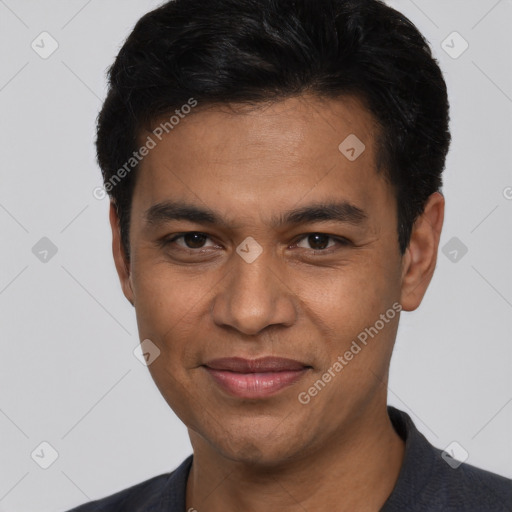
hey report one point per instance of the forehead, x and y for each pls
(299, 125)
(265, 156)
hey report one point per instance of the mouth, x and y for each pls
(255, 378)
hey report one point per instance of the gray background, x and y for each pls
(68, 375)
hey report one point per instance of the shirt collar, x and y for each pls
(411, 479)
(417, 466)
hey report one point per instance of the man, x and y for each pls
(274, 168)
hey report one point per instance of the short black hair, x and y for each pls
(253, 51)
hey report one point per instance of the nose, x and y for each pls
(254, 296)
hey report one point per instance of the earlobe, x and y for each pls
(420, 259)
(121, 262)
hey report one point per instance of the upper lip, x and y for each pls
(261, 365)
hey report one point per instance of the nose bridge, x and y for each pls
(253, 297)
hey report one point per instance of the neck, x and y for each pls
(355, 470)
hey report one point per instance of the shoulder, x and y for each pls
(141, 495)
(164, 492)
(432, 481)
(467, 487)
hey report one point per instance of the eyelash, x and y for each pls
(343, 242)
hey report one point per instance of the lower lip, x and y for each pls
(255, 385)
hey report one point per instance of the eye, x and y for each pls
(191, 240)
(320, 241)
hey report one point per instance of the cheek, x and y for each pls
(345, 300)
(166, 298)
(167, 305)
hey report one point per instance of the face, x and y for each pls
(260, 252)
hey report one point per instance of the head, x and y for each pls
(280, 195)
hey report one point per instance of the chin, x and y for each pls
(258, 443)
(257, 453)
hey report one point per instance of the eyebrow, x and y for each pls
(337, 211)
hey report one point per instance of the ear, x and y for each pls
(120, 259)
(419, 260)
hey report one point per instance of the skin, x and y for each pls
(339, 451)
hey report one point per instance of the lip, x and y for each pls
(255, 378)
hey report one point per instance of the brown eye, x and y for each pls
(191, 240)
(194, 240)
(317, 241)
